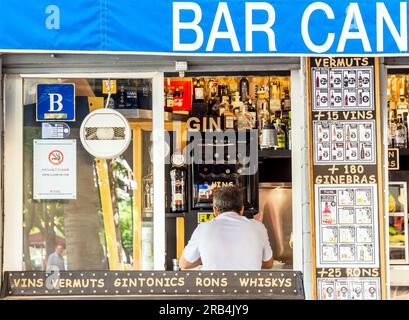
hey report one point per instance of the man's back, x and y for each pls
(230, 242)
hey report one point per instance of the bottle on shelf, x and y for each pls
(401, 135)
(121, 94)
(252, 112)
(244, 118)
(287, 99)
(280, 134)
(224, 105)
(169, 97)
(244, 88)
(147, 200)
(223, 90)
(289, 138)
(228, 118)
(233, 86)
(178, 182)
(275, 102)
(131, 95)
(262, 109)
(391, 130)
(402, 107)
(267, 131)
(198, 91)
(236, 103)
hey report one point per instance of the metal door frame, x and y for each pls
(13, 161)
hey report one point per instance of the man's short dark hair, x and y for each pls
(228, 199)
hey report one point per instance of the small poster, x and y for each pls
(348, 289)
(340, 89)
(344, 142)
(327, 290)
(54, 169)
(346, 225)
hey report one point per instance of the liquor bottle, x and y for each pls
(147, 204)
(178, 182)
(228, 118)
(267, 131)
(289, 138)
(223, 105)
(287, 99)
(402, 107)
(223, 90)
(251, 110)
(280, 135)
(213, 107)
(236, 103)
(244, 119)
(401, 137)
(131, 95)
(244, 89)
(275, 102)
(232, 85)
(121, 94)
(144, 89)
(346, 80)
(198, 91)
(266, 86)
(169, 100)
(169, 97)
(262, 108)
(391, 130)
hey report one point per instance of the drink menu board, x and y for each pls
(345, 182)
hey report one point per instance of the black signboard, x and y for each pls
(225, 284)
(345, 179)
(393, 159)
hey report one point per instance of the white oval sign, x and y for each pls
(105, 133)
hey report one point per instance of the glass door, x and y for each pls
(91, 213)
(398, 223)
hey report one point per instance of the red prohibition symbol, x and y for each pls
(56, 157)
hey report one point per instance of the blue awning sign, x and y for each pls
(207, 27)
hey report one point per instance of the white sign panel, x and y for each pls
(105, 133)
(55, 169)
(347, 225)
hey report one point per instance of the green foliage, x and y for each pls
(125, 224)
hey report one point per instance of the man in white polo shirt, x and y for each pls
(230, 241)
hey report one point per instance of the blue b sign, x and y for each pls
(56, 102)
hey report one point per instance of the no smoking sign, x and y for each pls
(55, 169)
(56, 157)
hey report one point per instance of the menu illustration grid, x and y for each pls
(344, 142)
(347, 225)
(342, 88)
(348, 289)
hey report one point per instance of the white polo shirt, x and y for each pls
(229, 242)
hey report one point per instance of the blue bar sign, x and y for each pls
(56, 102)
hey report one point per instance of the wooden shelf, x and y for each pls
(274, 154)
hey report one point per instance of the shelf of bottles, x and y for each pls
(241, 103)
(398, 95)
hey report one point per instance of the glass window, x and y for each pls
(108, 226)
(236, 130)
